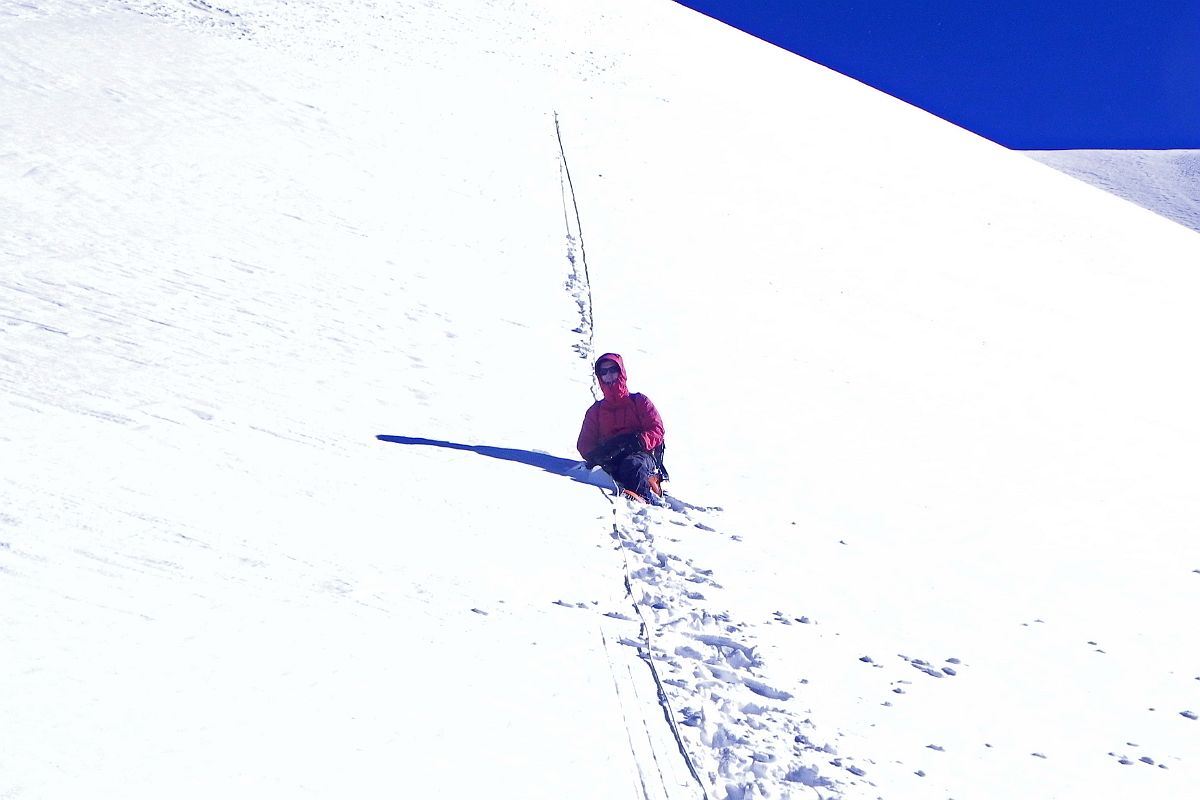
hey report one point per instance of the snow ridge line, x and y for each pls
(579, 284)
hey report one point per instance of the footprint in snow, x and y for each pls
(808, 777)
(852, 769)
(763, 690)
(1126, 761)
(929, 669)
(735, 653)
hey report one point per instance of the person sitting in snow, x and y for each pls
(622, 432)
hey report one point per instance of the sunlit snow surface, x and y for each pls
(1166, 182)
(296, 327)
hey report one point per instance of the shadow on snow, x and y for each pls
(566, 467)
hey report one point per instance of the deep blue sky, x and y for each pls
(1029, 74)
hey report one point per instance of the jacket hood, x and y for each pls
(618, 388)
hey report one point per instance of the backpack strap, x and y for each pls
(657, 452)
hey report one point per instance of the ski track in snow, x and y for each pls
(745, 737)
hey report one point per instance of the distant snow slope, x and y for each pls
(1165, 181)
(298, 302)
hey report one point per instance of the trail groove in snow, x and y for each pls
(646, 648)
(579, 283)
(734, 745)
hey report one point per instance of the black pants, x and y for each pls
(633, 472)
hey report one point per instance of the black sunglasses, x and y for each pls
(609, 371)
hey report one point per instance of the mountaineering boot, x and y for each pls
(632, 495)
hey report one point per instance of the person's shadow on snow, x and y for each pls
(575, 470)
(568, 468)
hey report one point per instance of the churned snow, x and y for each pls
(297, 310)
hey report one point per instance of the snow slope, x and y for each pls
(1166, 182)
(299, 302)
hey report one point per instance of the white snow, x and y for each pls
(296, 320)
(1166, 182)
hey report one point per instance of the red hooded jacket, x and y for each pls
(618, 413)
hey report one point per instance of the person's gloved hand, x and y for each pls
(611, 451)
